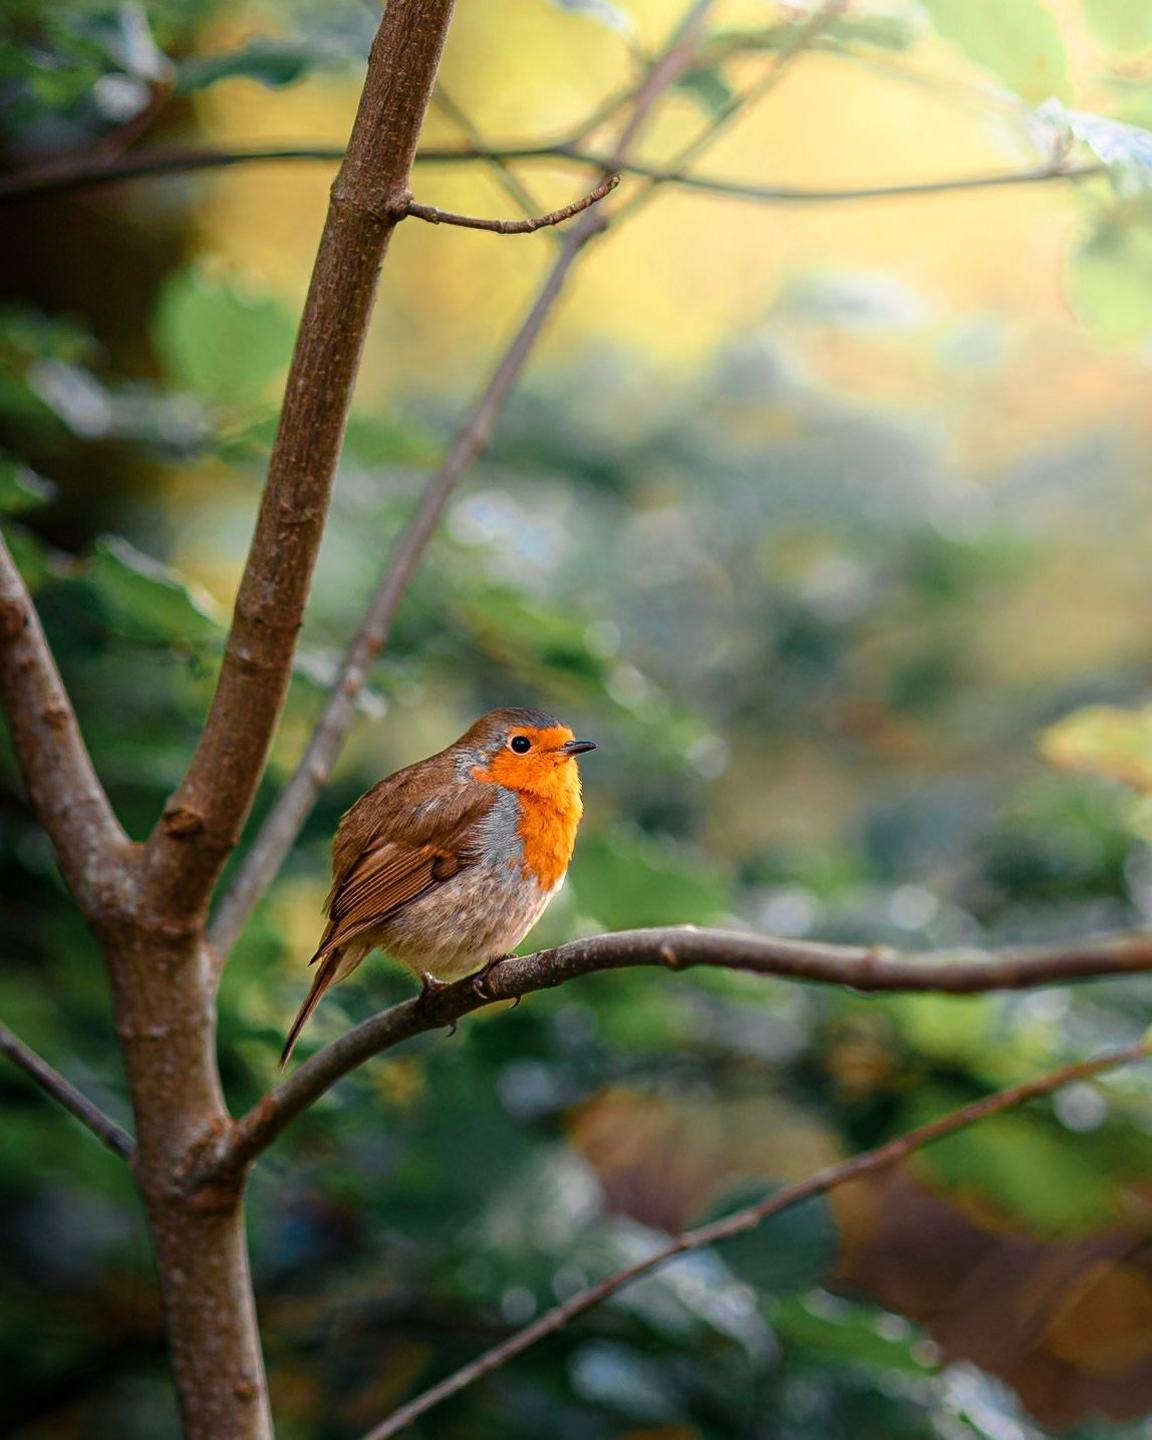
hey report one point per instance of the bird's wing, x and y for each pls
(413, 850)
(406, 836)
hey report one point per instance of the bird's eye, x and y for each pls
(520, 743)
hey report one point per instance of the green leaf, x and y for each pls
(707, 86)
(846, 1334)
(1123, 24)
(22, 489)
(1110, 284)
(273, 63)
(219, 340)
(1019, 1163)
(792, 1251)
(147, 601)
(1017, 40)
(883, 31)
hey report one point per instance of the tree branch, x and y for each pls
(748, 1218)
(63, 176)
(503, 173)
(514, 227)
(58, 774)
(870, 970)
(202, 821)
(282, 824)
(65, 1093)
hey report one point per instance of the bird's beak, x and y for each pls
(578, 747)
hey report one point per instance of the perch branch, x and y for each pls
(871, 970)
(514, 227)
(739, 1222)
(65, 1093)
(203, 819)
(58, 773)
(283, 822)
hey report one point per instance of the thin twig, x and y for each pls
(504, 175)
(282, 824)
(514, 227)
(63, 176)
(65, 1093)
(869, 970)
(58, 773)
(739, 103)
(748, 1218)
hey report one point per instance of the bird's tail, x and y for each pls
(334, 965)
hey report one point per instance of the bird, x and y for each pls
(447, 864)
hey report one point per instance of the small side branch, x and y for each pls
(741, 1221)
(513, 227)
(58, 773)
(65, 1093)
(870, 970)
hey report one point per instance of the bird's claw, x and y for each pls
(479, 980)
(430, 987)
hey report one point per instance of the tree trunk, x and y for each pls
(166, 1021)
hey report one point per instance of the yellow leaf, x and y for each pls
(1103, 740)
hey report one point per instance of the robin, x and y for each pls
(450, 862)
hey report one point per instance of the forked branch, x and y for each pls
(748, 1218)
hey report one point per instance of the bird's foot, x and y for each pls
(430, 987)
(479, 980)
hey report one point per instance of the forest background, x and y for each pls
(826, 518)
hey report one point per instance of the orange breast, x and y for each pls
(549, 819)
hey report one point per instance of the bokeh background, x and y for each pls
(829, 521)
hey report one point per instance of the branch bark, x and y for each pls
(369, 197)
(283, 822)
(66, 1094)
(514, 227)
(869, 970)
(58, 774)
(748, 1218)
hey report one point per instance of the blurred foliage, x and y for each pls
(819, 643)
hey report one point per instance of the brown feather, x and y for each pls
(335, 966)
(392, 846)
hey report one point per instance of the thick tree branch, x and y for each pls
(283, 822)
(203, 819)
(65, 1093)
(514, 227)
(58, 774)
(870, 970)
(748, 1218)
